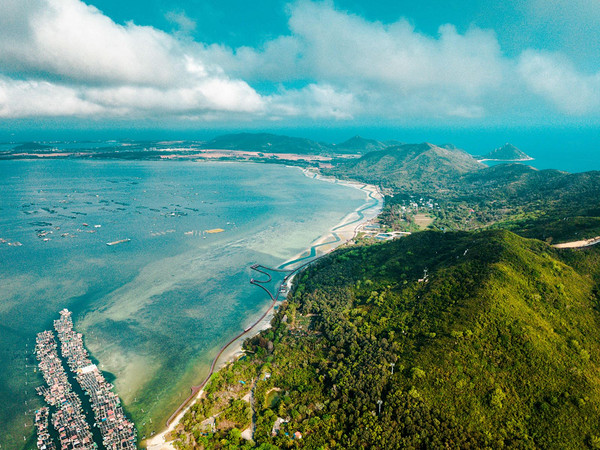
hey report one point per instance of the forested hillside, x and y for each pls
(265, 142)
(507, 152)
(464, 340)
(415, 167)
(545, 204)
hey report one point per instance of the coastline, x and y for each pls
(506, 160)
(579, 244)
(347, 228)
(342, 232)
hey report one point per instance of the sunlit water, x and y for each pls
(153, 310)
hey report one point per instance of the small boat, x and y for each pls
(121, 241)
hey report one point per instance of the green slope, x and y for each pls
(359, 144)
(270, 143)
(417, 167)
(497, 347)
(507, 152)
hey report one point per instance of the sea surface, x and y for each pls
(156, 309)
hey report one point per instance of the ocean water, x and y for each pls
(153, 310)
(568, 147)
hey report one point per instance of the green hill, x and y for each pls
(494, 341)
(269, 143)
(507, 152)
(30, 146)
(409, 166)
(359, 144)
(546, 204)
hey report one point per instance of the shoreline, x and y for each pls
(233, 350)
(506, 160)
(579, 244)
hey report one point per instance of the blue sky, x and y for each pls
(210, 64)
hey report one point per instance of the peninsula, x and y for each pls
(507, 152)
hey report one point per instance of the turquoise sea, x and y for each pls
(153, 310)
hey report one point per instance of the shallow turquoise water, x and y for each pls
(153, 310)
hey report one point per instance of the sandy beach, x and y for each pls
(343, 232)
(347, 228)
(579, 244)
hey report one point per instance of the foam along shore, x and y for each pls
(338, 235)
(506, 160)
(348, 227)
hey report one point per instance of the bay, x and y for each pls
(154, 309)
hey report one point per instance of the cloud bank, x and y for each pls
(63, 58)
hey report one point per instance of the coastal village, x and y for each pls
(69, 419)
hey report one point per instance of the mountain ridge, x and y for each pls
(361, 145)
(409, 166)
(268, 143)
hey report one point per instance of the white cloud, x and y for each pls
(314, 101)
(395, 55)
(554, 78)
(182, 21)
(66, 58)
(393, 64)
(39, 98)
(208, 95)
(74, 41)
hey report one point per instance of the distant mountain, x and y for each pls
(416, 166)
(268, 143)
(449, 146)
(31, 146)
(393, 142)
(361, 145)
(507, 152)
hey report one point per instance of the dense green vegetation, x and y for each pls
(492, 339)
(507, 152)
(464, 195)
(417, 168)
(265, 142)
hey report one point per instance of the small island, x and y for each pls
(507, 152)
(31, 146)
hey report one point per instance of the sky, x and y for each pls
(234, 64)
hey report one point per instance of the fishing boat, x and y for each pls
(121, 241)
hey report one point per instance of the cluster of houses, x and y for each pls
(117, 431)
(68, 419)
